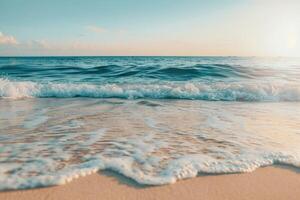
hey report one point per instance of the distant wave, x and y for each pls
(174, 73)
(219, 91)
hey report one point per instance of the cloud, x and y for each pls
(7, 39)
(96, 29)
(38, 44)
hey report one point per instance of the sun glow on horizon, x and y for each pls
(281, 35)
(198, 28)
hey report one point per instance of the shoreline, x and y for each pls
(273, 182)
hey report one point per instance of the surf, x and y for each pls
(220, 91)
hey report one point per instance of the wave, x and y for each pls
(205, 70)
(182, 168)
(219, 91)
(188, 72)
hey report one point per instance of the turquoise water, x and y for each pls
(204, 78)
(153, 119)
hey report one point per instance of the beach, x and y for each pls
(276, 183)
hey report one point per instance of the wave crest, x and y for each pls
(220, 91)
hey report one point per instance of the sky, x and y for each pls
(150, 28)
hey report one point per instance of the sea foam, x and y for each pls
(152, 142)
(220, 91)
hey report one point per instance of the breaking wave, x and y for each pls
(220, 91)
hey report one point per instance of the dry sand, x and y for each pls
(270, 183)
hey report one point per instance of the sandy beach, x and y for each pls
(276, 183)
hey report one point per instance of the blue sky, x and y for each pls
(165, 27)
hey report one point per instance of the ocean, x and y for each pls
(155, 120)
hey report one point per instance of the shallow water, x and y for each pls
(51, 141)
(150, 138)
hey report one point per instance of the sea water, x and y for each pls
(153, 119)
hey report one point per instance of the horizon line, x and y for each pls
(37, 56)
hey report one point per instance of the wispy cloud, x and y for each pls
(38, 44)
(96, 29)
(7, 39)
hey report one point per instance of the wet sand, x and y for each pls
(274, 183)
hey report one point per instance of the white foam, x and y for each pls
(226, 91)
(151, 145)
